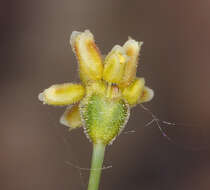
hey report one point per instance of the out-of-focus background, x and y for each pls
(35, 150)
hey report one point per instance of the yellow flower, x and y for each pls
(109, 87)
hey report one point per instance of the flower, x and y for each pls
(109, 88)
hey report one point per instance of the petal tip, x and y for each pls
(73, 37)
(141, 43)
(147, 95)
(75, 34)
(151, 93)
(63, 121)
(41, 97)
(135, 45)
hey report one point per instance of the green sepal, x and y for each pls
(103, 118)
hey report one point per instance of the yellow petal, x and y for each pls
(132, 49)
(71, 117)
(133, 92)
(147, 95)
(88, 55)
(114, 67)
(62, 94)
(97, 87)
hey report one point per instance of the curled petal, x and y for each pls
(71, 117)
(147, 95)
(88, 55)
(114, 67)
(132, 49)
(133, 92)
(62, 94)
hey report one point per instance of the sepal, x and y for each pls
(103, 118)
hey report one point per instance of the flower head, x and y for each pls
(109, 88)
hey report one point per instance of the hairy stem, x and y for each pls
(96, 166)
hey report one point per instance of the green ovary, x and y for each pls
(103, 117)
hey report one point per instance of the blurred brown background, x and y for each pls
(175, 60)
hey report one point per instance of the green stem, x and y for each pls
(96, 166)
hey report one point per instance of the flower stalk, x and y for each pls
(96, 166)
